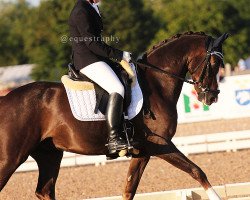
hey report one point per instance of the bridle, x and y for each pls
(205, 71)
(207, 68)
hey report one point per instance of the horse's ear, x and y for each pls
(220, 40)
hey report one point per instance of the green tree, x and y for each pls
(212, 17)
(134, 28)
(33, 34)
(131, 21)
(13, 18)
(44, 45)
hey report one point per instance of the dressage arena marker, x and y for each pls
(238, 191)
(195, 144)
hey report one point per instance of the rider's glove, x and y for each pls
(127, 68)
(126, 56)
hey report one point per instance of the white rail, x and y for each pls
(228, 141)
(238, 191)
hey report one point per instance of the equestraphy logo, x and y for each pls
(65, 39)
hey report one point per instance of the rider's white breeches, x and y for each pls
(102, 74)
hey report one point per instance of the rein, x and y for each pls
(205, 70)
(157, 69)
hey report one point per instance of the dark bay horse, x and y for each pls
(36, 119)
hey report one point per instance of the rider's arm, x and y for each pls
(98, 47)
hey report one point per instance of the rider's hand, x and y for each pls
(127, 68)
(126, 56)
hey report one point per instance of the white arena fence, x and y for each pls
(239, 191)
(196, 144)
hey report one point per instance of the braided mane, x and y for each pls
(160, 44)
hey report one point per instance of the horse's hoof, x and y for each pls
(123, 152)
(135, 151)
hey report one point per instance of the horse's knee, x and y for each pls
(198, 174)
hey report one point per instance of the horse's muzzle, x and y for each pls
(208, 96)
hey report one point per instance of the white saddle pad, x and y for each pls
(82, 102)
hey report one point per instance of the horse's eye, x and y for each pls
(217, 64)
(214, 65)
(215, 68)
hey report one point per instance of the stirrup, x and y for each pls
(116, 148)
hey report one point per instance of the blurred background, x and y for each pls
(34, 45)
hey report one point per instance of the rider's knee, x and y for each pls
(118, 88)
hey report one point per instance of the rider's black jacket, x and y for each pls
(85, 26)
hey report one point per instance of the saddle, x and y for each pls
(102, 95)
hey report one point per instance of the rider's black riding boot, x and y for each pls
(114, 118)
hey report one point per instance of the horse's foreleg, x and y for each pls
(48, 162)
(179, 160)
(136, 169)
(7, 168)
(11, 157)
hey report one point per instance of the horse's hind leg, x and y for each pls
(136, 169)
(179, 160)
(48, 161)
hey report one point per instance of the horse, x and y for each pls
(36, 119)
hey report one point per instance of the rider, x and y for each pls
(90, 53)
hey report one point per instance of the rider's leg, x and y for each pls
(102, 74)
(113, 117)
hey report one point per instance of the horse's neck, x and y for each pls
(164, 92)
(165, 86)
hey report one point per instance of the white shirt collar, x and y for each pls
(95, 7)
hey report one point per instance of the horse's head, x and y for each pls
(204, 67)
